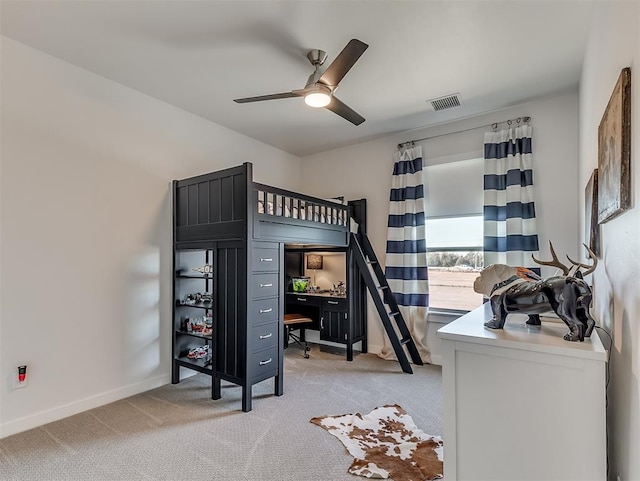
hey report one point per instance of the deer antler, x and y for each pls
(589, 268)
(554, 262)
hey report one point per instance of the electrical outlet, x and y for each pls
(20, 377)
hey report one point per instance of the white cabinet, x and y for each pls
(522, 403)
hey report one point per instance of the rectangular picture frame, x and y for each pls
(614, 151)
(591, 225)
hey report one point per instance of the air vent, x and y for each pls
(447, 102)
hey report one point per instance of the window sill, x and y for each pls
(444, 316)
(447, 312)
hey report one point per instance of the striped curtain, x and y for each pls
(406, 260)
(510, 234)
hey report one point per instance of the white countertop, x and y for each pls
(518, 335)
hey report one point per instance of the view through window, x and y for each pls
(454, 196)
(455, 258)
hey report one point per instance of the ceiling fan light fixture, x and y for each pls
(317, 99)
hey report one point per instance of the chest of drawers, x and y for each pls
(515, 401)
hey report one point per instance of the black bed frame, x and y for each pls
(244, 223)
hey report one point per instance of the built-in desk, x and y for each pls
(330, 314)
(521, 403)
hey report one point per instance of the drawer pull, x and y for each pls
(266, 285)
(266, 336)
(332, 302)
(264, 311)
(266, 259)
(301, 299)
(262, 363)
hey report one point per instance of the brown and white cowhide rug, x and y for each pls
(386, 443)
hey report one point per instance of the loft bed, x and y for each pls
(242, 228)
(227, 204)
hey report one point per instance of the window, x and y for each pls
(455, 257)
(454, 230)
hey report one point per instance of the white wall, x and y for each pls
(333, 270)
(614, 43)
(364, 170)
(86, 231)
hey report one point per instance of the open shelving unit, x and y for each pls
(188, 282)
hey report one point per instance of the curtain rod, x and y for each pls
(493, 125)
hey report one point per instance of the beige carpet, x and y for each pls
(178, 433)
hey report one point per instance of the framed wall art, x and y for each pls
(591, 226)
(614, 151)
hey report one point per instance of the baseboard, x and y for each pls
(371, 348)
(436, 359)
(76, 407)
(314, 337)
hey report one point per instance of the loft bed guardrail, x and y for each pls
(274, 204)
(285, 216)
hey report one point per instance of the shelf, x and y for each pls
(195, 364)
(198, 305)
(195, 276)
(208, 337)
(192, 284)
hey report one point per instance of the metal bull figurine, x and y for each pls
(520, 290)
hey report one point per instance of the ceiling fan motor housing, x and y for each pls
(317, 57)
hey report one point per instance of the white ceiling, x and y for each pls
(200, 55)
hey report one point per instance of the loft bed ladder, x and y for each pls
(382, 296)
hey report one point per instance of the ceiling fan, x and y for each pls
(318, 92)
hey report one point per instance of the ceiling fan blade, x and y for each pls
(344, 111)
(284, 95)
(343, 62)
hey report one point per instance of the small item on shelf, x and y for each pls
(206, 269)
(198, 352)
(190, 299)
(340, 289)
(197, 297)
(201, 325)
(300, 284)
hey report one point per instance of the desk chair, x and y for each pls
(291, 323)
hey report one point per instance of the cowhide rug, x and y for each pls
(386, 443)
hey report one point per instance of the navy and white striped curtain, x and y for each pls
(510, 234)
(406, 260)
